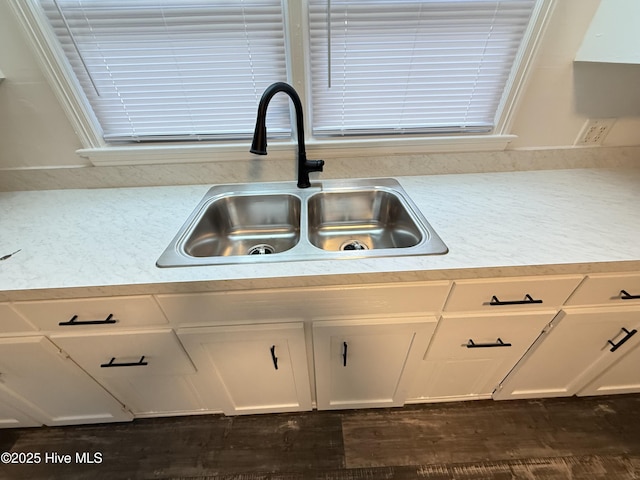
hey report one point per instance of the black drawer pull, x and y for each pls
(273, 357)
(139, 363)
(344, 354)
(499, 343)
(74, 321)
(624, 295)
(527, 299)
(628, 335)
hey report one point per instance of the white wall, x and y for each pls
(34, 131)
(548, 116)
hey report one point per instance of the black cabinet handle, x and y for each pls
(273, 357)
(624, 295)
(74, 321)
(344, 354)
(628, 335)
(499, 343)
(139, 363)
(527, 299)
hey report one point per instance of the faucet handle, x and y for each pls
(314, 165)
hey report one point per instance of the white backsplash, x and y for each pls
(265, 169)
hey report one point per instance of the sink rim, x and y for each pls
(430, 244)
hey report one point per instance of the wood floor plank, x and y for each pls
(300, 441)
(188, 446)
(561, 468)
(489, 431)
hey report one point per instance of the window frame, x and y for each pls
(98, 152)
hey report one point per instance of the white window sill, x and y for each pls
(326, 149)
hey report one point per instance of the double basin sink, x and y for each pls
(277, 222)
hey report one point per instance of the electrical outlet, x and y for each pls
(594, 131)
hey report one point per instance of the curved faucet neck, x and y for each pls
(297, 104)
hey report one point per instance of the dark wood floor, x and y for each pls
(578, 439)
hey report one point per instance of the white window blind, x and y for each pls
(411, 66)
(174, 70)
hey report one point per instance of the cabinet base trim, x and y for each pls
(461, 398)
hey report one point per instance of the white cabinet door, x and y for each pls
(57, 391)
(147, 370)
(579, 345)
(470, 354)
(13, 411)
(251, 368)
(368, 363)
(622, 377)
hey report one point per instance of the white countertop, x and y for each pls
(106, 241)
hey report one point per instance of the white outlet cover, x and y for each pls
(594, 131)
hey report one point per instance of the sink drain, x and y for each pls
(354, 245)
(261, 249)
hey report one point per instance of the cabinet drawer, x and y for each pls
(524, 293)
(92, 313)
(467, 336)
(11, 322)
(607, 290)
(117, 354)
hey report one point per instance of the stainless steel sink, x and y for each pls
(277, 222)
(231, 225)
(361, 220)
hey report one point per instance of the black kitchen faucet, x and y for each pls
(259, 144)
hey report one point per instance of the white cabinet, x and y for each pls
(579, 345)
(250, 368)
(623, 376)
(363, 363)
(471, 353)
(587, 350)
(356, 346)
(613, 34)
(55, 389)
(147, 370)
(231, 363)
